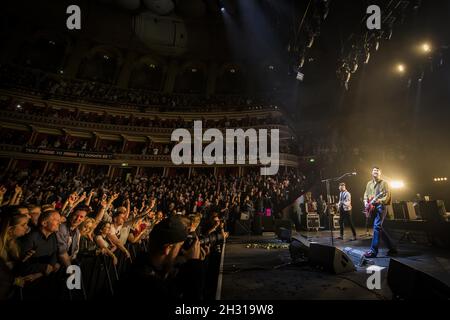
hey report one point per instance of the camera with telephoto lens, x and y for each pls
(212, 239)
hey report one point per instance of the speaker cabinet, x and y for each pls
(414, 280)
(404, 210)
(330, 258)
(433, 211)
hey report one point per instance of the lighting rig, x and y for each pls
(305, 32)
(358, 48)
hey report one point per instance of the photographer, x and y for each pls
(155, 275)
(214, 229)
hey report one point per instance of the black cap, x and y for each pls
(169, 231)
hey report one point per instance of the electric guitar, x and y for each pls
(370, 207)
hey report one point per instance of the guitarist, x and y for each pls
(373, 188)
(345, 211)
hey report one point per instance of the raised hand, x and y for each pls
(83, 196)
(72, 198)
(104, 203)
(18, 189)
(28, 255)
(194, 252)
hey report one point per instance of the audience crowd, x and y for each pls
(132, 119)
(57, 86)
(149, 227)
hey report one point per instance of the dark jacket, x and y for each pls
(145, 282)
(6, 281)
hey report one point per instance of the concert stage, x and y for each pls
(259, 267)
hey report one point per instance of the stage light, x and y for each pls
(400, 68)
(426, 48)
(312, 160)
(377, 45)
(124, 164)
(366, 61)
(397, 184)
(61, 71)
(222, 9)
(19, 106)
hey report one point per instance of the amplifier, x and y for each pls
(432, 210)
(336, 225)
(399, 212)
(313, 221)
(410, 211)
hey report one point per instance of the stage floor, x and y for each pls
(259, 267)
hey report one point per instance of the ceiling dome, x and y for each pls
(161, 7)
(129, 4)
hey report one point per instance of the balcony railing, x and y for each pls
(51, 154)
(64, 123)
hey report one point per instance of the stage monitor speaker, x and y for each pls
(406, 281)
(299, 247)
(284, 234)
(242, 227)
(330, 258)
(281, 223)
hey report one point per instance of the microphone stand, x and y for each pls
(329, 199)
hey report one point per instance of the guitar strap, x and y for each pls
(377, 188)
